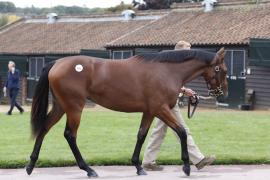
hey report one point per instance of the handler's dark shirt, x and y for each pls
(13, 80)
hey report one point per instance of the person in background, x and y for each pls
(12, 85)
(160, 130)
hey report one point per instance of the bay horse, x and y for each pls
(147, 83)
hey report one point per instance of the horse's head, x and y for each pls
(215, 76)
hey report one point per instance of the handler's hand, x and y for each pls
(13, 70)
(189, 92)
(5, 91)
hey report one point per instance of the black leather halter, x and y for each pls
(218, 91)
(194, 101)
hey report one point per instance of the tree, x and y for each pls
(7, 7)
(3, 20)
(159, 4)
(153, 4)
(59, 9)
(73, 10)
(122, 6)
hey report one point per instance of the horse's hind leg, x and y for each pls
(53, 117)
(144, 127)
(73, 122)
(166, 115)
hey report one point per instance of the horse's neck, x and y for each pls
(187, 71)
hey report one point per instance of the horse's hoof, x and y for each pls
(141, 172)
(29, 169)
(186, 169)
(92, 174)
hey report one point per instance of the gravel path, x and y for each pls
(231, 172)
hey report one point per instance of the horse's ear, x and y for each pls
(219, 56)
(221, 53)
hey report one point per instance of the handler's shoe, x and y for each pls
(205, 162)
(21, 111)
(152, 167)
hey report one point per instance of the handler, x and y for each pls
(159, 132)
(12, 84)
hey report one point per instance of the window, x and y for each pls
(127, 54)
(122, 54)
(35, 66)
(235, 61)
(117, 55)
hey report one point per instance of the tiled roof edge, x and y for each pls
(173, 44)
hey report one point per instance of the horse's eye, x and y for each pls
(217, 68)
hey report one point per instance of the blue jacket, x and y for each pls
(13, 79)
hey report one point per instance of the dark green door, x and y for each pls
(236, 89)
(235, 61)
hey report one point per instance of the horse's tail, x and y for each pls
(40, 102)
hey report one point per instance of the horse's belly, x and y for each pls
(118, 103)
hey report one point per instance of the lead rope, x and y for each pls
(194, 101)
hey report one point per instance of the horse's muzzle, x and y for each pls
(215, 92)
(218, 94)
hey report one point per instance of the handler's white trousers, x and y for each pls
(158, 135)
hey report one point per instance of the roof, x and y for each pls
(223, 26)
(219, 3)
(67, 34)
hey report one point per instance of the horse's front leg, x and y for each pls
(167, 116)
(144, 127)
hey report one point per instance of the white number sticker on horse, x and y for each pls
(79, 68)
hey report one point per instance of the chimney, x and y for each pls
(209, 5)
(128, 14)
(52, 17)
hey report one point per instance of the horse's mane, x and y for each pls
(178, 56)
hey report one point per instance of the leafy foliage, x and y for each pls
(6, 7)
(119, 7)
(3, 20)
(6, 19)
(9, 7)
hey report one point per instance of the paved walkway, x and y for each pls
(232, 172)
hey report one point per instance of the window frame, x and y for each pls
(232, 51)
(122, 54)
(34, 75)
